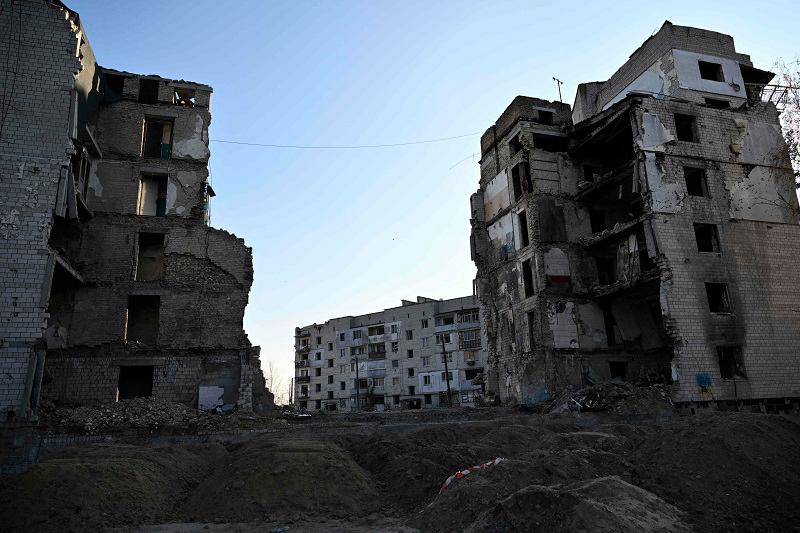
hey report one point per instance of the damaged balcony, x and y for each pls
(624, 257)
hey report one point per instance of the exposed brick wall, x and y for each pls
(40, 45)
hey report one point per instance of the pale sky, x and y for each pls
(345, 232)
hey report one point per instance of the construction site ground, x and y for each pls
(573, 471)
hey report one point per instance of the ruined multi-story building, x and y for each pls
(650, 232)
(112, 285)
(402, 357)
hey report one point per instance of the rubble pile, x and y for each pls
(135, 414)
(616, 396)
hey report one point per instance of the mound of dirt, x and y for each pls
(93, 488)
(608, 504)
(728, 471)
(268, 479)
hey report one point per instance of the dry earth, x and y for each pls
(383, 472)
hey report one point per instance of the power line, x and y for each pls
(345, 147)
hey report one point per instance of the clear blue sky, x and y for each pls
(338, 232)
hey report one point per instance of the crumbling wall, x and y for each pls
(751, 202)
(34, 157)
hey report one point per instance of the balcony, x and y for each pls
(303, 396)
(302, 349)
(303, 379)
(303, 363)
(469, 344)
(446, 327)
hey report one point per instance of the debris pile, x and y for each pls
(617, 396)
(136, 414)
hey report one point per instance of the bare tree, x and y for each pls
(276, 383)
(788, 76)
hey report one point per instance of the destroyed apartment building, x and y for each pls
(112, 284)
(425, 353)
(650, 232)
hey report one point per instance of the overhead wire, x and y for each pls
(345, 147)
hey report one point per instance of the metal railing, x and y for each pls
(775, 94)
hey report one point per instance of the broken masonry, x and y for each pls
(648, 233)
(113, 284)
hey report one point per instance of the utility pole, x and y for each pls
(358, 385)
(446, 375)
(559, 83)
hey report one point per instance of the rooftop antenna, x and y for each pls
(559, 83)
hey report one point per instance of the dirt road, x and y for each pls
(383, 472)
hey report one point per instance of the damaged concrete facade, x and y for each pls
(647, 233)
(396, 357)
(113, 284)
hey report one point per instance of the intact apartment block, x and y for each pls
(112, 284)
(649, 233)
(393, 359)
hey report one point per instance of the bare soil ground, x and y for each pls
(383, 472)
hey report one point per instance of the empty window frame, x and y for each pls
(319, 341)
(711, 71)
(731, 362)
(597, 220)
(686, 128)
(409, 335)
(527, 278)
(590, 173)
(115, 87)
(148, 91)
(521, 180)
(395, 347)
(426, 380)
(718, 297)
(718, 103)
(342, 385)
(141, 319)
(152, 195)
(135, 382)
(524, 239)
(410, 372)
(410, 354)
(696, 183)
(184, 96)
(330, 380)
(412, 390)
(515, 145)
(545, 117)
(317, 372)
(395, 363)
(707, 237)
(150, 257)
(428, 398)
(516, 183)
(424, 323)
(157, 138)
(356, 334)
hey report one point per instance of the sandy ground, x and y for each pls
(383, 472)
